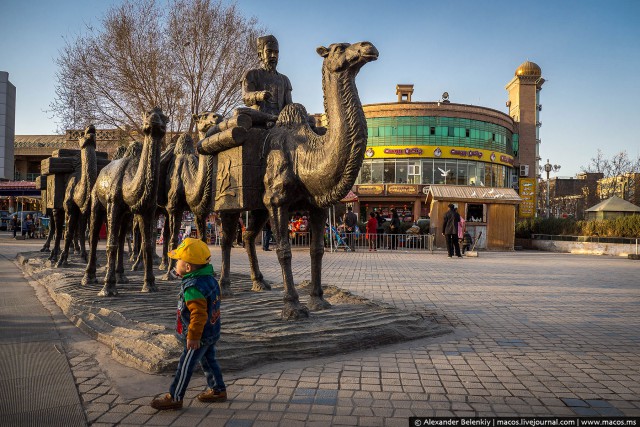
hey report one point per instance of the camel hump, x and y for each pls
(292, 115)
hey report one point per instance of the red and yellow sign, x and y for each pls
(433, 151)
(370, 189)
(527, 190)
(402, 189)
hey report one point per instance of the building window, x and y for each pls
(476, 212)
(432, 130)
(439, 172)
(365, 173)
(462, 172)
(389, 176)
(401, 171)
(427, 171)
(376, 171)
(466, 133)
(451, 131)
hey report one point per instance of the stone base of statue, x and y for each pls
(138, 327)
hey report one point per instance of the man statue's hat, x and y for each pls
(265, 40)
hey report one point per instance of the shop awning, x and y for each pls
(350, 197)
(472, 193)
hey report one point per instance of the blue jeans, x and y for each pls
(267, 238)
(206, 355)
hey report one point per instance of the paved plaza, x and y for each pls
(535, 334)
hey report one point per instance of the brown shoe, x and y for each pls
(166, 402)
(211, 395)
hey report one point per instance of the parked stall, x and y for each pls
(489, 213)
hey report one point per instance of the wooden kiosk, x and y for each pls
(489, 210)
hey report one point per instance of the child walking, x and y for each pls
(197, 324)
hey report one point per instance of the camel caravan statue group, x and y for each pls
(258, 161)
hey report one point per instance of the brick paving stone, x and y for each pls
(517, 349)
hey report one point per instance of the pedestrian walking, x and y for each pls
(394, 229)
(197, 325)
(450, 231)
(350, 222)
(13, 224)
(372, 231)
(268, 233)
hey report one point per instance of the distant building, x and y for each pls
(412, 145)
(626, 187)
(570, 197)
(7, 125)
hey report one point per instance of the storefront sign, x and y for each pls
(401, 151)
(402, 189)
(527, 188)
(370, 190)
(431, 151)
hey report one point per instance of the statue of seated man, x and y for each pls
(264, 89)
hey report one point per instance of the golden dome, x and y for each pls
(528, 68)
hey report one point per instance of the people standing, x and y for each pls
(450, 231)
(27, 228)
(379, 229)
(372, 228)
(14, 225)
(197, 325)
(268, 233)
(394, 229)
(350, 222)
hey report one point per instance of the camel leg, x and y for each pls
(318, 216)
(52, 231)
(137, 245)
(229, 225)
(96, 221)
(256, 221)
(201, 227)
(135, 235)
(71, 215)
(82, 227)
(166, 235)
(58, 217)
(114, 217)
(122, 237)
(173, 222)
(148, 246)
(76, 237)
(292, 308)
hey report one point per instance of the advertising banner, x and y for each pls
(528, 194)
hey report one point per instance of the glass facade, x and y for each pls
(433, 171)
(442, 131)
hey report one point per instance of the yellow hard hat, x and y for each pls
(193, 251)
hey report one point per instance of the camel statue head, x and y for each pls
(205, 121)
(154, 123)
(88, 138)
(340, 57)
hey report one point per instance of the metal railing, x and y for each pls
(339, 241)
(353, 241)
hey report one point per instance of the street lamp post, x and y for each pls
(548, 167)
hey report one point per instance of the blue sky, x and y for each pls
(589, 52)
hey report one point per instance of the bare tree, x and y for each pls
(187, 58)
(617, 173)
